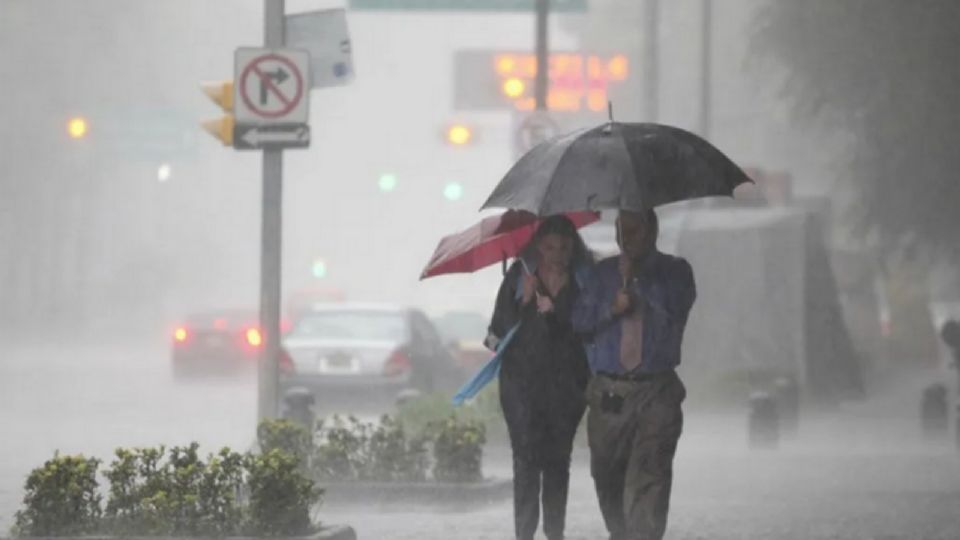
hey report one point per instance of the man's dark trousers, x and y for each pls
(633, 428)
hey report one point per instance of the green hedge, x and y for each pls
(175, 492)
(347, 449)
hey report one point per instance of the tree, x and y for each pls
(886, 72)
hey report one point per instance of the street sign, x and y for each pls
(466, 5)
(532, 130)
(491, 79)
(270, 86)
(271, 137)
(324, 35)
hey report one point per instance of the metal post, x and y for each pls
(651, 61)
(271, 246)
(541, 84)
(706, 62)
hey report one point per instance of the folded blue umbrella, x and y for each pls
(487, 373)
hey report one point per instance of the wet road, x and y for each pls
(861, 474)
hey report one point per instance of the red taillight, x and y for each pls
(886, 327)
(220, 324)
(397, 364)
(285, 362)
(254, 338)
(180, 335)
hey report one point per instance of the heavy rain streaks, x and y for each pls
(818, 360)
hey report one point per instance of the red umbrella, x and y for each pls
(490, 241)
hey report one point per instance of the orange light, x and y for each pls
(254, 338)
(525, 104)
(560, 99)
(506, 65)
(514, 87)
(597, 100)
(180, 334)
(576, 81)
(77, 127)
(618, 67)
(594, 68)
(459, 134)
(220, 324)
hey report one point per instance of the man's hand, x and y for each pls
(621, 303)
(626, 269)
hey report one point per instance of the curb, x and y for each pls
(332, 532)
(433, 493)
(335, 532)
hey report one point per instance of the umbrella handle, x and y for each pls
(525, 267)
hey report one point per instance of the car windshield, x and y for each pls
(365, 325)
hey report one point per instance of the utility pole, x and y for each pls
(271, 237)
(651, 61)
(541, 89)
(706, 63)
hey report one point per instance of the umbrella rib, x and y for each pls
(546, 193)
(634, 170)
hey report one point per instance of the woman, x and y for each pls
(544, 373)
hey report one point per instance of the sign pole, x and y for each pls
(271, 237)
(706, 68)
(651, 61)
(542, 53)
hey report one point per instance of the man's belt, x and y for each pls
(635, 376)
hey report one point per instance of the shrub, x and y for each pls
(354, 450)
(392, 456)
(154, 492)
(280, 496)
(458, 449)
(61, 498)
(138, 494)
(286, 435)
(184, 473)
(220, 491)
(342, 454)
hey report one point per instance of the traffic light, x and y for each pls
(459, 134)
(164, 172)
(387, 182)
(514, 88)
(453, 191)
(319, 269)
(222, 94)
(77, 127)
(254, 337)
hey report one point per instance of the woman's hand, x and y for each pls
(544, 303)
(529, 287)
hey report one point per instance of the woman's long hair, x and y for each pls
(560, 225)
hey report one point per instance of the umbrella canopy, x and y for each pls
(617, 165)
(493, 239)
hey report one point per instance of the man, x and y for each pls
(632, 314)
(950, 334)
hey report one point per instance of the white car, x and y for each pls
(343, 350)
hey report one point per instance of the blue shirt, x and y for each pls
(663, 289)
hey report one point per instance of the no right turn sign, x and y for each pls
(271, 86)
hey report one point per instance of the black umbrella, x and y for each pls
(617, 165)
